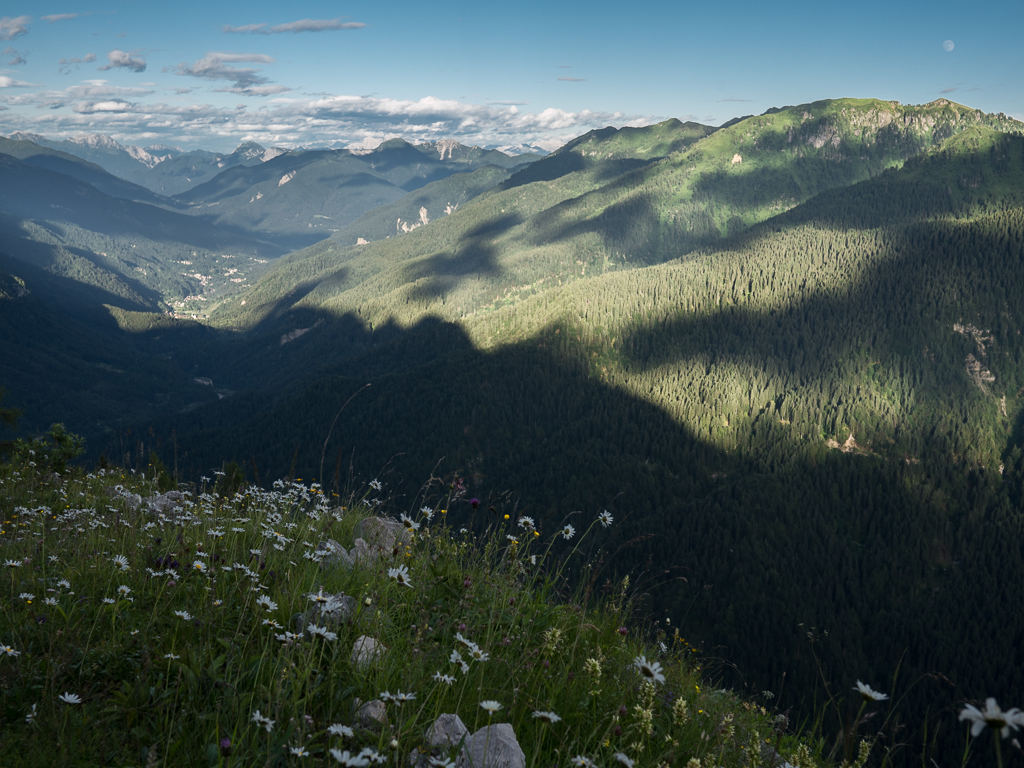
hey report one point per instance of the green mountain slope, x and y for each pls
(90, 173)
(167, 258)
(303, 197)
(63, 356)
(421, 206)
(818, 423)
(526, 236)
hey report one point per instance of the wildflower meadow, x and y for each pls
(142, 625)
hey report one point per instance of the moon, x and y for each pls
(947, 46)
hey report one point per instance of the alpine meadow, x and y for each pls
(678, 445)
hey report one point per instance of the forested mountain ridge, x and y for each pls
(813, 413)
(161, 169)
(70, 228)
(301, 197)
(83, 170)
(526, 237)
(818, 422)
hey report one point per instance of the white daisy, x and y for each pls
(183, 615)
(993, 717)
(568, 532)
(623, 759)
(446, 679)
(409, 523)
(266, 722)
(401, 575)
(649, 669)
(547, 717)
(868, 694)
(70, 698)
(605, 518)
(266, 602)
(326, 634)
(490, 706)
(351, 761)
(6, 650)
(121, 561)
(341, 730)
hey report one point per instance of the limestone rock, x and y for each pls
(372, 714)
(337, 610)
(494, 746)
(447, 731)
(333, 554)
(382, 534)
(336, 555)
(365, 651)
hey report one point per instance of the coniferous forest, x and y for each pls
(786, 354)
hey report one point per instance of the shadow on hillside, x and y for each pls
(437, 275)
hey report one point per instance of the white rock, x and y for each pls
(493, 746)
(365, 651)
(372, 714)
(447, 731)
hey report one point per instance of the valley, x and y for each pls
(785, 353)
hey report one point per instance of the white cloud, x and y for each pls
(16, 58)
(246, 80)
(124, 60)
(60, 17)
(331, 121)
(12, 27)
(573, 79)
(64, 65)
(112, 105)
(10, 82)
(303, 25)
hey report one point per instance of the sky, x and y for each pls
(326, 73)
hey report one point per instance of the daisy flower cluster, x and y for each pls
(221, 611)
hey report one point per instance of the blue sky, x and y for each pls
(342, 74)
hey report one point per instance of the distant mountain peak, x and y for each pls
(250, 150)
(22, 136)
(96, 140)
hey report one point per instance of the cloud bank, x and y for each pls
(329, 121)
(294, 27)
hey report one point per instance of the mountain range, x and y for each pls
(785, 353)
